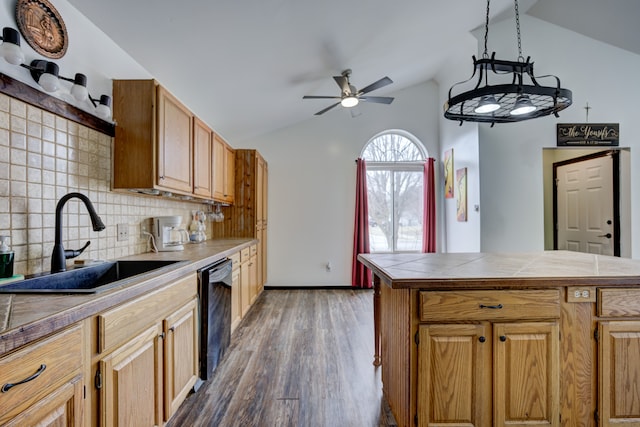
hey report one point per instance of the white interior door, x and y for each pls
(585, 206)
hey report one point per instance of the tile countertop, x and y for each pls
(496, 270)
(31, 316)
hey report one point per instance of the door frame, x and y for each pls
(615, 158)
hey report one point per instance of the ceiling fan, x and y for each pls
(350, 97)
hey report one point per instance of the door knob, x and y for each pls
(608, 235)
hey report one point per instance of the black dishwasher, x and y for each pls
(214, 282)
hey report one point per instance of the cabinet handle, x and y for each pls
(9, 386)
(161, 176)
(161, 336)
(494, 307)
(503, 338)
(482, 339)
(172, 329)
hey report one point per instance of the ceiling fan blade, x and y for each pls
(343, 83)
(320, 97)
(326, 109)
(377, 99)
(377, 85)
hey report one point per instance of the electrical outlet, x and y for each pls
(123, 232)
(581, 294)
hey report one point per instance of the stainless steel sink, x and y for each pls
(91, 279)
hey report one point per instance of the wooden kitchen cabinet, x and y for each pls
(147, 356)
(202, 159)
(223, 170)
(618, 357)
(245, 281)
(236, 300)
(248, 215)
(131, 387)
(42, 384)
(153, 146)
(501, 369)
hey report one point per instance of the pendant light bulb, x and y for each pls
(522, 106)
(103, 109)
(487, 104)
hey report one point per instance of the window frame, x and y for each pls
(393, 167)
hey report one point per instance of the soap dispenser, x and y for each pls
(6, 258)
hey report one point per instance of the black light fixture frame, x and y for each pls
(547, 99)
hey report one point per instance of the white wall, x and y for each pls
(511, 156)
(312, 183)
(459, 236)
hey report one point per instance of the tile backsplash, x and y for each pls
(42, 158)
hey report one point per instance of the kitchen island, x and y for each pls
(491, 339)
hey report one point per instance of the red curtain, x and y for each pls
(360, 275)
(429, 219)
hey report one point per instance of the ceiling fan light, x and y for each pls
(349, 101)
(522, 106)
(487, 104)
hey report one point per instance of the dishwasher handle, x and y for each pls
(219, 272)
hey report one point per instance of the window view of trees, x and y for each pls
(395, 175)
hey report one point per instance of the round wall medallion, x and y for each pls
(42, 27)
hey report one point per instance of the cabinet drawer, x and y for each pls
(618, 302)
(235, 260)
(443, 306)
(57, 359)
(245, 254)
(117, 325)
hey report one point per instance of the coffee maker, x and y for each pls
(168, 234)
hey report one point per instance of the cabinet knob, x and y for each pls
(161, 336)
(482, 339)
(503, 338)
(172, 329)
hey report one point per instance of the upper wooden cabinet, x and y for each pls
(224, 163)
(202, 159)
(160, 146)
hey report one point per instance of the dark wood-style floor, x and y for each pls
(299, 358)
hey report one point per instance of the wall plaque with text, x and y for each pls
(588, 134)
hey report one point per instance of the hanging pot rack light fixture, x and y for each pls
(46, 74)
(512, 100)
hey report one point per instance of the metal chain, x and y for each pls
(520, 57)
(486, 33)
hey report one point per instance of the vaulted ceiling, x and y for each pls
(244, 65)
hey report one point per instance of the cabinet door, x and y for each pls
(175, 144)
(181, 356)
(526, 374)
(253, 278)
(132, 382)
(454, 375)
(236, 303)
(202, 159)
(219, 168)
(619, 373)
(230, 174)
(245, 283)
(62, 407)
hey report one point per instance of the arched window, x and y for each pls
(395, 190)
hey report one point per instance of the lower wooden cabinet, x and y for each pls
(148, 357)
(41, 384)
(63, 407)
(181, 356)
(468, 372)
(619, 373)
(130, 382)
